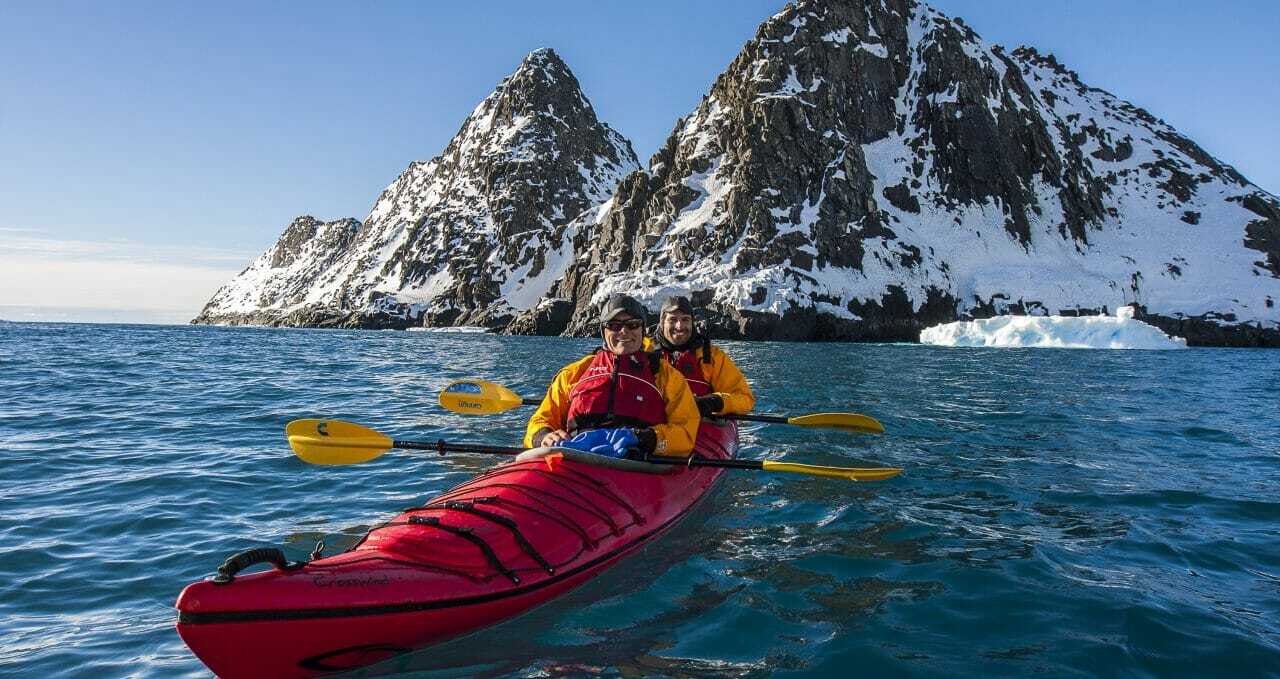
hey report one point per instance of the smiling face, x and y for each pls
(677, 326)
(623, 334)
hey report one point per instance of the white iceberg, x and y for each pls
(453, 328)
(1121, 331)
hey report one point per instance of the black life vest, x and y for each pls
(617, 391)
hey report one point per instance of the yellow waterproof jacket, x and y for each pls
(726, 380)
(675, 437)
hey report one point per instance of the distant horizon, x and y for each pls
(18, 313)
(145, 174)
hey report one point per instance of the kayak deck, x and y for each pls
(489, 549)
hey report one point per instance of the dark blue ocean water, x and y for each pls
(1063, 512)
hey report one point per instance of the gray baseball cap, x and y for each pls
(617, 304)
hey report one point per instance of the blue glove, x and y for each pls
(607, 442)
(620, 442)
(587, 440)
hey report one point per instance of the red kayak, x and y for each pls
(485, 551)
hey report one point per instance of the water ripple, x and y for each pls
(1062, 512)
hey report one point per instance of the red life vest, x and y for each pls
(617, 391)
(688, 363)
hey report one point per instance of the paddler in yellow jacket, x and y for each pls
(619, 399)
(717, 385)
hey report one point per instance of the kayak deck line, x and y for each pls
(545, 512)
(611, 524)
(466, 534)
(584, 481)
(469, 507)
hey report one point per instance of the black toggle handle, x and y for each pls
(234, 564)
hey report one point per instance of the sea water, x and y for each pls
(1062, 512)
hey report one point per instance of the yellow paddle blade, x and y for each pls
(477, 397)
(849, 421)
(851, 473)
(334, 441)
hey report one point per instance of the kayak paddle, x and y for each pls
(338, 442)
(478, 397)
(863, 424)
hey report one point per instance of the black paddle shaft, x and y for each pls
(443, 447)
(704, 462)
(728, 416)
(754, 418)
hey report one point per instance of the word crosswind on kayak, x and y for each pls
(335, 442)
(478, 397)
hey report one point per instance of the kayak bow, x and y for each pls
(485, 551)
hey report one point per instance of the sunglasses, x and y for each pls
(617, 326)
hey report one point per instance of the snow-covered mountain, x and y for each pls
(470, 237)
(867, 168)
(863, 169)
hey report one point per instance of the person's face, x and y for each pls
(624, 334)
(677, 326)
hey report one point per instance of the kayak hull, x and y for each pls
(483, 552)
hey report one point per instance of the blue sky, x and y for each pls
(151, 149)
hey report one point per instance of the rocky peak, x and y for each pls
(307, 237)
(542, 83)
(527, 117)
(287, 274)
(867, 167)
(477, 232)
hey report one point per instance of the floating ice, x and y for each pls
(458, 328)
(1121, 331)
